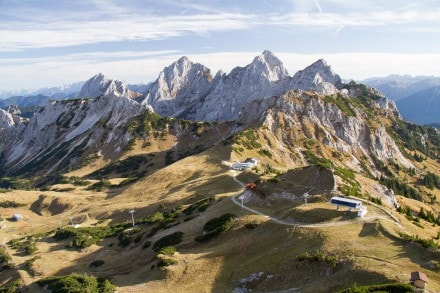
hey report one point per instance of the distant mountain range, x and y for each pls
(107, 116)
(61, 92)
(417, 98)
(189, 90)
(398, 87)
(422, 107)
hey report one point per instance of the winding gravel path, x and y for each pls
(302, 224)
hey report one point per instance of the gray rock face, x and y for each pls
(179, 86)
(63, 126)
(187, 90)
(264, 77)
(318, 77)
(6, 119)
(100, 85)
(298, 113)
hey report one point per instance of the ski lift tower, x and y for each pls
(306, 196)
(71, 221)
(132, 215)
(241, 198)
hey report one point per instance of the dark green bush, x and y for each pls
(313, 159)
(169, 240)
(427, 243)
(76, 283)
(5, 260)
(30, 248)
(401, 188)
(318, 256)
(165, 262)
(168, 250)
(390, 288)
(224, 222)
(11, 287)
(97, 263)
(127, 181)
(125, 237)
(216, 226)
(146, 244)
(431, 180)
(10, 204)
(100, 185)
(200, 206)
(86, 236)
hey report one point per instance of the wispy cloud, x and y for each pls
(20, 36)
(113, 23)
(54, 42)
(92, 57)
(379, 18)
(318, 6)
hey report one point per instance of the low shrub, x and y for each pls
(216, 226)
(5, 260)
(427, 243)
(10, 204)
(31, 261)
(128, 181)
(168, 250)
(11, 287)
(146, 244)
(391, 288)
(97, 263)
(86, 236)
(76, 283)
(200, 206)
(125, 237)
(30, 248)
(100, 185)
(318, 256)
(165, 262)
(169, 240)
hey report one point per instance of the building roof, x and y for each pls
(418, 276)
(345, 200)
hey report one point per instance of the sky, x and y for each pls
(55, 42)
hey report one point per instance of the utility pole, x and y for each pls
(132, 215)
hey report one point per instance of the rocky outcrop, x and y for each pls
(6, 119)
(300, 115)
(318, 77)
(178, 87)
(64, 128)
(264, 77)
(100, 85)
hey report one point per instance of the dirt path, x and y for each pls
(302, 224)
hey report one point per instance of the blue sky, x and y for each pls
(55, 42)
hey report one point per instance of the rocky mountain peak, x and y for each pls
(181, 71)
(178, 85)
(268, 65)
(100, 85)
(318, 77)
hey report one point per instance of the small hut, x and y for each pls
(419, 280)
(17, 217)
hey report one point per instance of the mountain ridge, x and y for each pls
(421, 107)
(99, 177)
